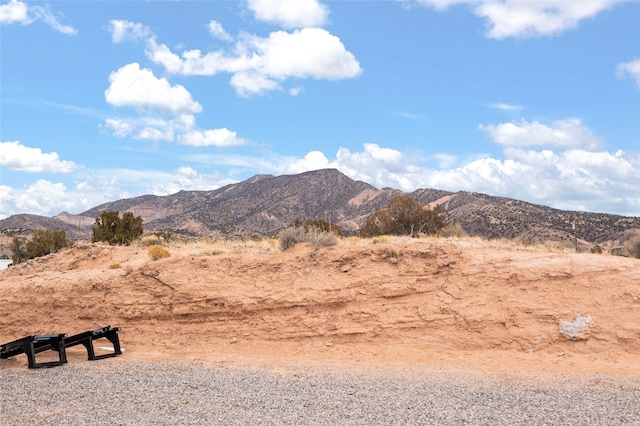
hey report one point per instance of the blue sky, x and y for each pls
(537, 100)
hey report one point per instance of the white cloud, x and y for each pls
(517, 18)
(630, 70)
(290, 13)
(181, 129)
(19, 12)
(217, 31)
(306, 53)
(409, 115)
(15, 156)
(216, 137)
(574, 179)
(261, 64)
(41, 197)
(569, 133)
(14, 12)
(505, 107)
(132, 86)
(295, 91)
(122, 30)
(314, 160)
(139, 88)
(146, 127)
(256, 64)
(47, 198)
(46, 15)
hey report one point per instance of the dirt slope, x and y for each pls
(461, 305)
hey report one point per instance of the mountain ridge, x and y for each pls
(266, 204)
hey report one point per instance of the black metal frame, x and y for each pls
(87, 338)
(31, 345)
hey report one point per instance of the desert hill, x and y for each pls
(266, 204)
(463, 303)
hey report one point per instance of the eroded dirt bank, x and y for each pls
(460, 305)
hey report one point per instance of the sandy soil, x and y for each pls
(450, 305)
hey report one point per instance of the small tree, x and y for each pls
(42, 243)
(19, 250)
(405, 216)
(112, 229)
(45, 241)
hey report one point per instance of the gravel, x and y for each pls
(123, 392)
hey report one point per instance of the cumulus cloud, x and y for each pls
(139, 88)
(574, 179)
(314, 160)
(260, 64)
(217, 137)
(41, 197)
(256, 64)
(570, 133)
(516, 18)
(181, 129)
(15, 156)
(122, 31)
(19, 12)
(630, 70)
(290, 13)
(15, 12)
(46, 198)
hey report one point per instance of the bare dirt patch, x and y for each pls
(459, 305)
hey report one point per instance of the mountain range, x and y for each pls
(266, 204)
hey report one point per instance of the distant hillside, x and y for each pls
(266, 204)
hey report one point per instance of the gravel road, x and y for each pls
(124, 392)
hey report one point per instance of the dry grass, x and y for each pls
(158, 252)
(220, 246)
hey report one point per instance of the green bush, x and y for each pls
(112, 229)
(42, 243)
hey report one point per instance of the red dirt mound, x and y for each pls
(457, 304)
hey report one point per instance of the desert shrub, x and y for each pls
(596, 249)
(313, 225)
(158, 252)
(634, 248)
(291, 236)
(353, 240)
(405, 216)
(382, 239)
(452, 230)
(112, 229)
(322, 238)
(152, 240)
(114, 266)
(19, 250)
